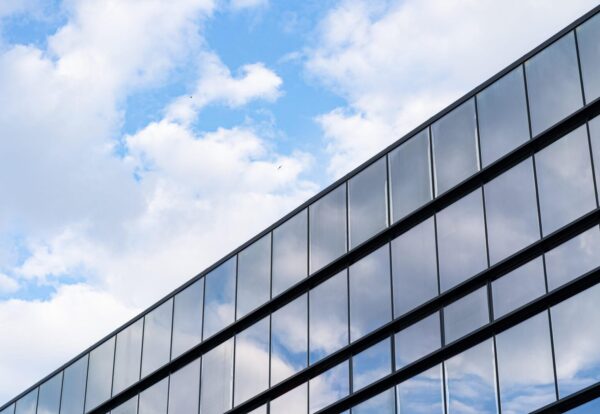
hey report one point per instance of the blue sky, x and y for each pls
(140, 141)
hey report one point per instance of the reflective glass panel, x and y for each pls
(28, 403)
(8, 410)
(418, 340)
(259, 410)
(254, 276)
(518, 287)
(251, 361)
(100, 372)
(466, 315)
(576, 333)
(589, 56)
(422, 394)
(128, 356)
(49, 398)
(594, 126)
(573, 258)
(461, 240)
(292, 402)
(380, 404)
(73, 389)
(154, 399)
(372, 364)
(219, 305)
(157, 337)
(512, 214)
(289, 339)
(329, 387)
(553, 84)
(455, 147)
(184, 389)
(217, 389)
(471, 380)
(128, 407)
(414, 267)
(328, 317)
(410, 175)
(327, 218)
(565, 182)
(502, 111)
(187, 318)
(290, 252)
(367, 202)
(593, 407)
(525, 366)
(370, 308)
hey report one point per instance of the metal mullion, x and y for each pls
(62, 384)
(87, 374)
(37, 398)
(571, 401)
(553, 353)
(199, 383)
(496, 376)
(112, 375)
(203, 309)
(596, 184)
(583, 98)
(142, 347)
(168, 393)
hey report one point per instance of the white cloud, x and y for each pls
(247, 4)
(8, 284)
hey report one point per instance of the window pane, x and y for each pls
(259, 410)
(422, 393)
(414, 267)
(455, 147)
(518, 287)
(565, 180)
(8, 410)
(187, 318)
(49, 399)
(327, 228)
(290, 252)
(157, 337)
(380, 404)
(100, 374)
(553, 84)
(128, 407)
(154, 399)
(594, 125)
(219, 308)
(461, 240)
(28, 403)
(292, 402)
(418, 340)
(128, 356)
(254, 276)
(73, 390)
(329, 387)
(184, 389)
(367, 201)
(589, 55)
(525, 366)
(471, 380)
(289, 339)
(217, 389)
(328, 317)
(410, 175)
(466, 315)
(573, 258)
(370, 307)
(371, 364)
(251, 361)
(576, 333)
(592, 407)
(512, 214)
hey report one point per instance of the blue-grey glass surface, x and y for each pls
(455, 153)
(157, 337)
(372, 364)
(49, 397)
(589, 56)
(217, 390)
(254, 276)
(128, 356)
(153, 400)
(565, 181)
(461, 240)
(292, 402)
(187, 318)
(100, 372)
(329, 387)
(327, 218)
(511, 211)
(184, 389)
(471, 380)
(328, 317)
(414, 267)
(8, 410)
(260, 410)
(594, 126)
(553, 84)
(418, 340)
(422, 394)
(383, 403)
(128, 407)
(466, 315)
(592, 407)
(28, 403)
(290, 252)
(525, 367)
(518, 287)
(367, 202)
(410, 175)
(370, 307)
(289, 339)
(251, 361)
(576, 331)
(219, 305)
(503, 120)
(573, 258)
(73, 389)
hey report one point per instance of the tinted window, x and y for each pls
(184, 388)
(290, 252)
(371, 364)
(422, 393)
(8, 410)
(595, 138)
(28, 403)
(289, 339)
(466, 315)
(380, 404)
(592, 407)
(219, 306)
(329, 387)
(292, 402)
(518, 287)
(187, 318)
(589, 55)
(251, 361)
(217, 389)
(553, 84)
(254, 276)
(128, 407)
(154, 399)
(157, 337)
(49, 398)
(418, 340)
(127, 356)
(73, 390)
(100, 374)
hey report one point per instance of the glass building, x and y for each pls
(456, 272)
